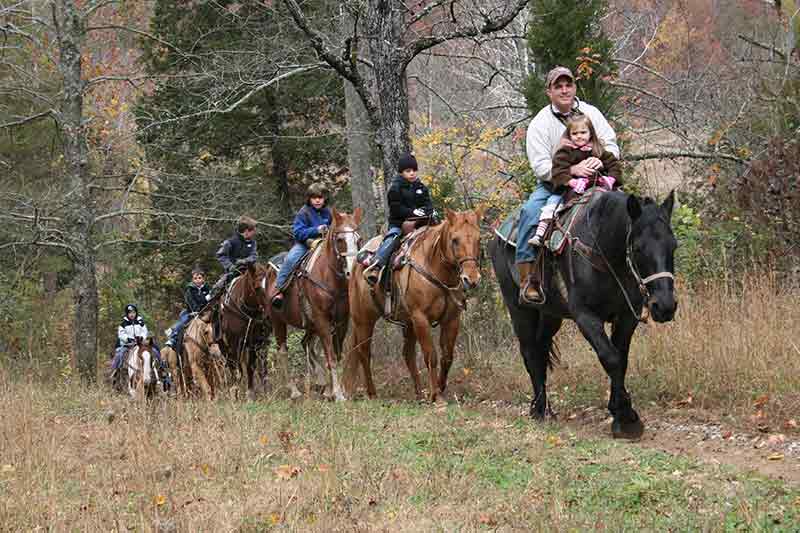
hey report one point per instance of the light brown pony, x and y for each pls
(444, 263)
(142, 375)
(241, 314)
(201, 362)
(316, 302)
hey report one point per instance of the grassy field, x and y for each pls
(79, 460)
(83, 460)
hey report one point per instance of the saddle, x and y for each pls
(558, 233)
(399, 258)
(305, 264)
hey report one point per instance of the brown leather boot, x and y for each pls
(529, 292)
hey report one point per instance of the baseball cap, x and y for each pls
(556, 73)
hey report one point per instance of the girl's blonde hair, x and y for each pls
(583, 120)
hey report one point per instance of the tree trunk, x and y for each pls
(359, 143)
(359, 157)
(80, 216)
(384, 23)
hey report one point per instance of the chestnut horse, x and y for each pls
(316, 302)
(431, 287)
(241, 316)
(200, 362)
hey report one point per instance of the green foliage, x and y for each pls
(569, 33)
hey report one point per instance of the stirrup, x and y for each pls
(372, 274)
(524, 300)
(536, 240)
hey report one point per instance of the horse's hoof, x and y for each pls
(632, 430)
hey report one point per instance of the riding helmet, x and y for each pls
(129, 308)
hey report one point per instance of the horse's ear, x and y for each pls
(451, 216)
(335, 216)
(669, 203)
(357, 214)
(634, 207)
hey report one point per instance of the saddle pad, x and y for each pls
(277, 260)
(566, 216)
(310, 258)
(508, 229)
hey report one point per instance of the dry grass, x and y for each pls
(359, 466)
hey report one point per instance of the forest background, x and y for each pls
(132, 134)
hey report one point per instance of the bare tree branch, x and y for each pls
(489, 26)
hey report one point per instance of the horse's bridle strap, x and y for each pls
(656, 276)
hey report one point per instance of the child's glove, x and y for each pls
(607, 181)
(419, 212)
(578, 184)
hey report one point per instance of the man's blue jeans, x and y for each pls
(295, 254)
(528, 220)
(388, 245)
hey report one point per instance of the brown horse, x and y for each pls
(142, 374)
(200, 362)
(316, 302)
(443, 264)
(241, 316)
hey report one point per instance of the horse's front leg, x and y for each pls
(325, 333)
(447, 343)
(410, 355)
(626, 422)
(422, 330)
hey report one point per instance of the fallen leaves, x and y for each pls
(263, 440)
(287, 472)
(159, 500)
(487, 520)
(775, 457)
(790, 424)
(689, 400)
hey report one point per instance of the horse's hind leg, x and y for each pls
(447, 343)
(535, 334)
(614, 358)
(410, 355)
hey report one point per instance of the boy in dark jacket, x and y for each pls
(408, 198)
(196, 297)
(237, 251)
(311, 222)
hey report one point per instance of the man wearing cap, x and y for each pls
(544, 138)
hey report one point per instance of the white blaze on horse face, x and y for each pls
(264, 282)
(148, 366)
(351, 239)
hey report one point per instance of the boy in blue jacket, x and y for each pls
(311, 222)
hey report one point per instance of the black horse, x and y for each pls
(619, 257)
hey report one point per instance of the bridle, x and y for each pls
(458, 263)
(343, 256)
(640, 281)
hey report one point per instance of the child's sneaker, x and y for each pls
(168, 332)
(536, 240)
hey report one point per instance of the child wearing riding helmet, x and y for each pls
(408, 198)
(311, 221)
(579, 142)
(131, 328)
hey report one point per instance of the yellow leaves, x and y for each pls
(263, 440)
(466, 371)
(776, 457)
(287, 472)
(159, 500)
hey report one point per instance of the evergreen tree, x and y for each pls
(569, 33)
